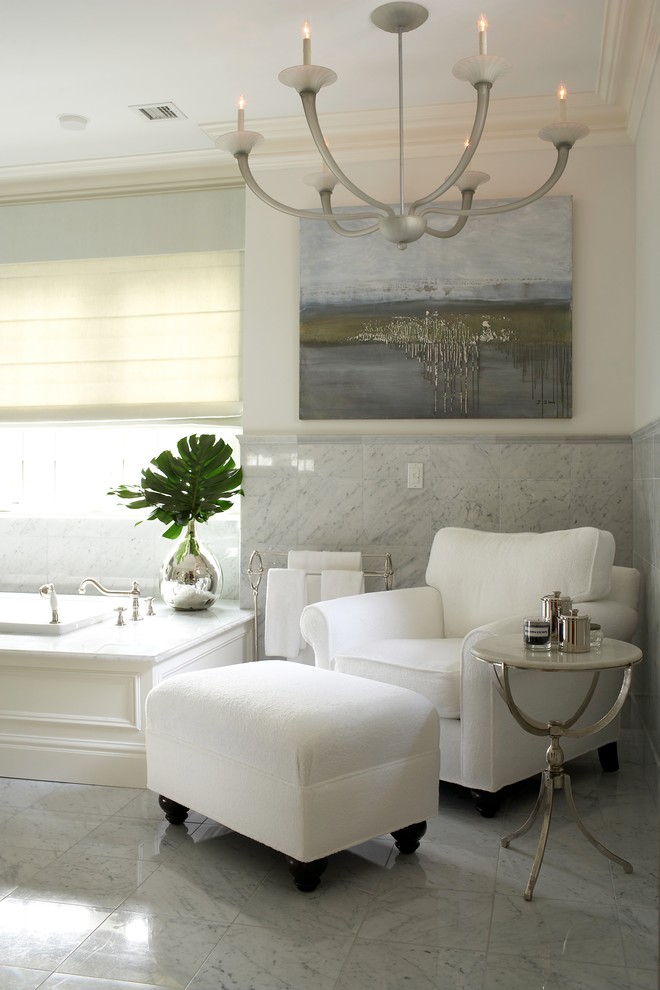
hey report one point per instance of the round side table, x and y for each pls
(505, 652)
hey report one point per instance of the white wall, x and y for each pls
(647, 364)
(601, 181)
(117, 226)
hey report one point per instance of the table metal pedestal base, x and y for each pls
(555, 778)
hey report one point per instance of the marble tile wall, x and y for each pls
(646, 555)
(351, 493)
(35, 550)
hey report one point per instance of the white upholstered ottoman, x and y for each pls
(304, 760)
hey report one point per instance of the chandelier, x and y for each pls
(409, 222)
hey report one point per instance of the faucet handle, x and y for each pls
(120, 615)
(150, 606)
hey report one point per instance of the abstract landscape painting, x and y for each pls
(473, 327)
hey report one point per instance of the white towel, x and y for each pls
(339, 584)
(306, 560)
(286, 597)
(341, 560)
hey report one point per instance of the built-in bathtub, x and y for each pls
(22, 613)
(72, 704)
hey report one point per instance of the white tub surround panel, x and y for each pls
(72, 706)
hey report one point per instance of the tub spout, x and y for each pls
(134, 592)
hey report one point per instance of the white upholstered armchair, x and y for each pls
(483, 584)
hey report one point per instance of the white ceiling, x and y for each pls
(99, 58)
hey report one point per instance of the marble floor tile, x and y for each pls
(131, 838)
(78, 878)
(431, 917)
(443, 866)
(62, 981)
(529, 972)
(391, 966)
(176, 891)
(55, 830)
(14, 978)
(576, 930)
(144, 949)
(41, 934)
(267, 959)
(335, 908)
(18, 865)
(643, 979)
(89, 799)
(145, 805)
(17, 793)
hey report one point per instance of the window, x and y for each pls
(68, 470)
(140, 337)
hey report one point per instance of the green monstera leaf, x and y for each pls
(194, 485)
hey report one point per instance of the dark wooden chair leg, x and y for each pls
(175, 813)
(407, 839)
(487, 803)
(609, 757)
(306, 876)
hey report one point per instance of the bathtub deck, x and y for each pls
(72, 706)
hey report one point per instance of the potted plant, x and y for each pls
(182, 490)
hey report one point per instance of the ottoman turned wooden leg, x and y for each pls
(306, 876)
(407, 839)
(175, 813)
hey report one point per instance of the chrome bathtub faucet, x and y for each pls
(48, 591)
(134, 592)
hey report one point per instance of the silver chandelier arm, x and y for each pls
(562, 160)
(466, 203)
(250, 181)
(481, 112)
(309, 106)
(334, 225)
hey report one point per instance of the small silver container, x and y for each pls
(574, 632)
(552, 606)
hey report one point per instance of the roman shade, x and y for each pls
(138, 337)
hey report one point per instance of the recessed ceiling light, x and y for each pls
(73, 122)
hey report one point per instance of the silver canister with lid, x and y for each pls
(574, 632)
(552, 607)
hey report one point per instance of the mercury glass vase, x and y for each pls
(190, 577)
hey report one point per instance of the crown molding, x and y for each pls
(102, 178)
(629, 51)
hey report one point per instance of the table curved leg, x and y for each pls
(587, 834)
(525, 827)
(543, 838)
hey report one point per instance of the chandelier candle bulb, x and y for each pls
(307, 43)
(562, 93)
(241, 113)
(483, 38)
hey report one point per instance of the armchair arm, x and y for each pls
(343, 624)
(618, 621)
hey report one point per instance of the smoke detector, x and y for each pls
(160, 111)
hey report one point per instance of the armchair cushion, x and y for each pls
(482, 577)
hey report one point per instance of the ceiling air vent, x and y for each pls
(160, 111)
